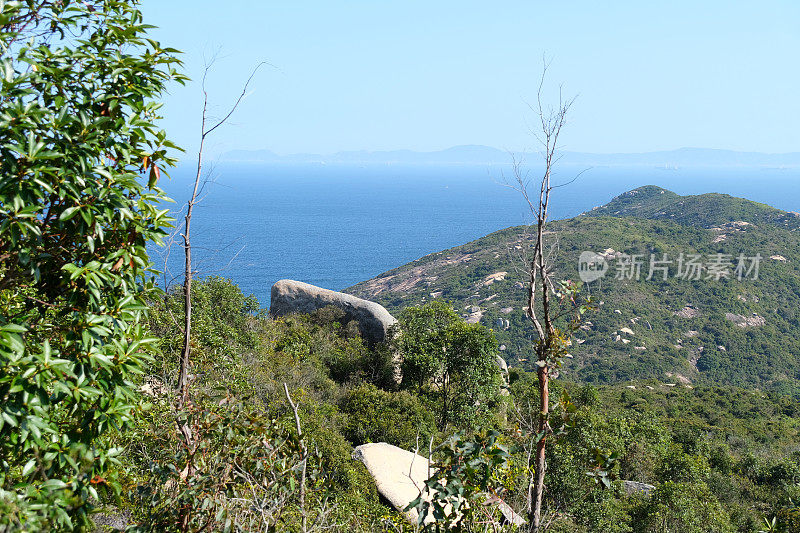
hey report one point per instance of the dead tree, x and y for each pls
(540, 286)
(205, 131)
(184, 428)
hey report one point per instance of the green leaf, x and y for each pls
(28, 468)
(68, 213)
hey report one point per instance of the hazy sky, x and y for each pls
(426, 75)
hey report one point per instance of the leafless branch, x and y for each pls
(294, 406)
(539, 262)
(183, 379)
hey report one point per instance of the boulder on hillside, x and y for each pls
(289, 296)
(746, 321)
(400, 477)
(503, 366)
(632, 488)
(501, 363)
(399, 474)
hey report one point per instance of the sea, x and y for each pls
(336, 225)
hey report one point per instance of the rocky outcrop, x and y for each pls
(290, 297)
(504, 377)
(746, 321)
(473, 314)
(688, 311)
(632, 488)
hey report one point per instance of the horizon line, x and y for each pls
(502, 150)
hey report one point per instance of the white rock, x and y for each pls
(399, 474)
(400, 477)
(634, 487)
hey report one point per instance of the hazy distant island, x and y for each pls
(486, 155)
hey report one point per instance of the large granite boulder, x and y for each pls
(400, 477)
(290, 296)
(399, 474)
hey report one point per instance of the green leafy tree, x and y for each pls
(464, 484)
(423, 342)
(376, 415)
(81, 156)
(452, 362)
(685, 507)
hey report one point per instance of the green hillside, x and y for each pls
(743, 332)
(704, 210)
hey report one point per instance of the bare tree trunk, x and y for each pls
(183, 377)
(185, 513)
(304, 450)
(540, 286)
(544, 399)
(547, 329)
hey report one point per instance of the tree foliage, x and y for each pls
(80, 158)
(246, 470)
(454, 363)
(464, 482)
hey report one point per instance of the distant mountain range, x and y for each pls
(485, 155)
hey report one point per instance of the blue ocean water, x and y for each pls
(334, 226)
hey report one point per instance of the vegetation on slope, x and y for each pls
(720, 458)
(740, 332)
(704, 210)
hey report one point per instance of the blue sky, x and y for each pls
(426, 75)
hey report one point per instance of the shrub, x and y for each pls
(242, 470)
(684, 507)
(375, 415)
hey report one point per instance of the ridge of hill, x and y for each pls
(704, 210)
(741, 329)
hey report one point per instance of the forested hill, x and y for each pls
(704, 210)
(680, 329)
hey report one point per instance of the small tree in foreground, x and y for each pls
(188, 273)
(552, 306)
(77, 131)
